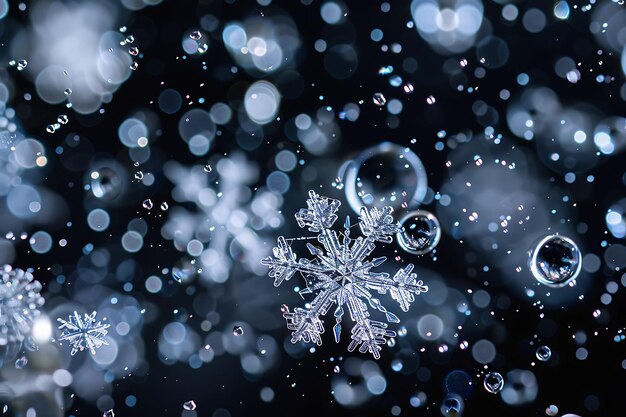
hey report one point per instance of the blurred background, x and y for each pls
(152, 152)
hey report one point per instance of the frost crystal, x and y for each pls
(19, 304)
(83, 332)
(219, 224)
(341, 274)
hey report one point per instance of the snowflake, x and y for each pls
(19, 304)
(341, 274)
(225, 219)
(83, 332)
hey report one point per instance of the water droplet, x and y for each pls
(21, 64)
(552, 410)
(555, 261)
(493, 382)
(431, 100)
(164, 206)
(67, 91)
(543, 353)
(597, 313)
(420, 232)
(108, 413)
(207, 168)
(284, 309)
(237, 331)
(50, 129)
(123, 29)
(139, 175)
(63, 119)
(21, 362)
(408, 88)
(195, 35)
(202, 48)
(130, 39)
(189, 405)
(147, 204)
(379, 99)
(336, 369)
(133, 50)
(12, 63)
(134, 65)
(5, 408)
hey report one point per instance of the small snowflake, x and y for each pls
(19, 304)
(341, 274)
(83, 332)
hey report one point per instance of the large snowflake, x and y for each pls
(341, 275)
(83, 332)
(225, 216)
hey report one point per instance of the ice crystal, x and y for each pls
(83, 332)
(19, 304)
(225, 217)
(340, 273)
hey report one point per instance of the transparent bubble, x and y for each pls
(452, 405)
(183, 271)
(237, 331)
(420, 233)
(105, 183)
(493, 382)
(385, 175)
(336, 369)
(543, 353)
(195, 35)
(189, 405)
(379, 99)
(63, 119)
(555, 261)
(133, 50)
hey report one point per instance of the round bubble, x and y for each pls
(332, 13)
(40, 242)
(170, 101)
(27, 151)
(341, 61)
(130, 131)
(261, 102)
(493, 52)
(430, 327)
(555, 261)
(385, 175)
(4, 8)
(452, 406)
(132, 241)
(420, 232)
(484, 351)
(196, 122)
(493, 382)
(98, 220)
(543, 353)
(105, 183)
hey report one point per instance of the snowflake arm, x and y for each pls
(83, 332)
(306, 323)
(378, 224)
(405, 286)
(320, 213)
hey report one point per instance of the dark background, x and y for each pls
(590, 387)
